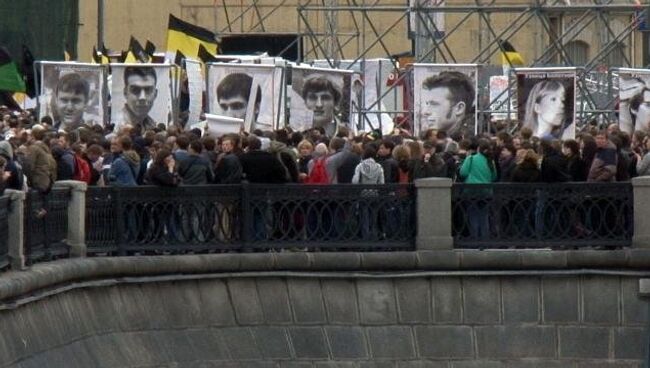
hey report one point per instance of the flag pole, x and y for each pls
(100, 23)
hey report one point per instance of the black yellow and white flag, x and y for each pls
(510, 56)
(186, 38)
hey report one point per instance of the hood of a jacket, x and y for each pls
(370, 168)
(6, 150)
(275, 146)
(132, 158)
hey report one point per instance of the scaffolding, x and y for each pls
(593, 35)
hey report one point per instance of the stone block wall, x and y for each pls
(319, 320)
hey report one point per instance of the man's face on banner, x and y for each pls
(70, 107)
(234, 107)
(438, 112)
(140, 93)
(322, 104)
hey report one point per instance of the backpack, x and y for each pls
(82, 170)
(318, 174)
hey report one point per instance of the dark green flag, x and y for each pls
(10, 77)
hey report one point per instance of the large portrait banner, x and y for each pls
(141, 95)
(634, 100)
(444, 97)
(251, 92)
(320, 98)
(546, 101)
(73, 94)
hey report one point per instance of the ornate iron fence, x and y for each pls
(235, 217)
(542, 215)
(46, 225)
(330, 216)
(5, 207)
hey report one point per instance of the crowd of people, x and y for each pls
(34, 155)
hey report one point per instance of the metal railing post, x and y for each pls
(433, 214)
(641, 200)
(17, 229)
(76, 234)
(247, 215)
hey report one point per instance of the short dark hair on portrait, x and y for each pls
(73, 83)
(320, 83)
(140, 71)
(461, 88)
(237, 85)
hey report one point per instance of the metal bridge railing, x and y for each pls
(540, 215)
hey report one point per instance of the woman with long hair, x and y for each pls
(402, 155)
(162, 171)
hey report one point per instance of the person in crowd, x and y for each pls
(643, 162)
(195, 170)
(305, 150)
(338, 151)
(553, 167)
(287, 159)
(64, 157)
(229, 168)
(575, 165)
(368, 171)
(40, 166)
(447, 102)
(163, 170)
(428, 165)
(181, 144)
(69, 102)
(352, 158)
(5, 175)
(588, 150)
(126, 164)
(527, 167)
(402, 154)
(603, 167)
(260, 166)
(15, 179)
(479, 169)
(209, 151)
(94, 155)
(387, 162)
(507, 162)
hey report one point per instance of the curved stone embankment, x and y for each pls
(451, 309)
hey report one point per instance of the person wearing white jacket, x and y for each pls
(368, 171)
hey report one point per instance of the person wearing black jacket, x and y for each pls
(387, 162)
(554, 165)
(261, 166)
(229, 169)
(575, 165)
(16, 178)
(162, 172)
(194, 169)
